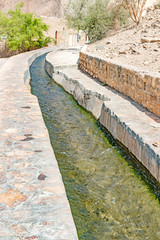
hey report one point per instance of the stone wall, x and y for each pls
(133, 128)
(143, 87)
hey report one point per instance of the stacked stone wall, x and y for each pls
(143, 87)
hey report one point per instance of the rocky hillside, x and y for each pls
(138, 46)
(49, 8)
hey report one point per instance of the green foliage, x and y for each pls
(158, 4)
(120, 16)
(75, 14)
(99, 20)
(96, 17)
(24, 31)
(135, 8)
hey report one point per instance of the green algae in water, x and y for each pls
(109, 198)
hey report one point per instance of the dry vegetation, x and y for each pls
(138, 46)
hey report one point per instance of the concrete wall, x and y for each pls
(129, 134)
(143, 87)
(130, 126)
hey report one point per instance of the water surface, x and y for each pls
(110, 196)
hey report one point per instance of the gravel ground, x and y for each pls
(138, 46)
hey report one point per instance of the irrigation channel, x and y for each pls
(110, 196)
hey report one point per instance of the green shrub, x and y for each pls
(95, 18)
(24, 31)
(135, 9)
(158, 4)
(99, 20)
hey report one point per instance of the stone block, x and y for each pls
(122, 77)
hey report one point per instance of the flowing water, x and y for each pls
(110, 196)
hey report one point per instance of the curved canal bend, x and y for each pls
(110, 196)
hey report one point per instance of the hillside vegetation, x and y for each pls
(23, 31)
(98, 17)
(138, 46)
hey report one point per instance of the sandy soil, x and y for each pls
(138, 46)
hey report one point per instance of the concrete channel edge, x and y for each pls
(130, 126)
(33, 201)
(70, 232)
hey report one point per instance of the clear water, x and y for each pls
(111, 197)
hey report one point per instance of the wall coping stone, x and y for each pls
(133, 127)
(126, 66)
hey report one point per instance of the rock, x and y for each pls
(26, 107)
(144, 46)
(122, 52)
(100, 47)
(134, 50)
(155, 144)
(27, 139)
(42, 177)
(144, 40)
(150, 40)
(144, 31)
(150, 18)
(155, 40)
(37, 151)
(146, 63)
(154, 25)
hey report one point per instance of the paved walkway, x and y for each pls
(2, 61)
(63, 59)
(33, 201)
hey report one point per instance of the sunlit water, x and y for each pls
(110, 196)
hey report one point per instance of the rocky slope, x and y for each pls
(49, 8)
(138, 46)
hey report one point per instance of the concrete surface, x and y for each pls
(141, 86)
(3, 61)
(131, 124)
(61, 61)
(33, 202)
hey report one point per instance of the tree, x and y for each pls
(24, 31)
(99, 19)
(76, 13)
(95, 17)
(134, 8)
(89, 16)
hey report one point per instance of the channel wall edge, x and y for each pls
(138, 133)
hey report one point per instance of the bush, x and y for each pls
(95, 18)
(135, 9)
(158, 4)
(24, 31)
(98, 21)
